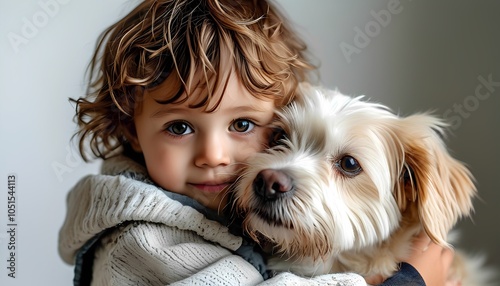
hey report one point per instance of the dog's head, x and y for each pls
(344, 174)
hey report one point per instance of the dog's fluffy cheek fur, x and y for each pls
(371, 219)
(322, 217)
(303, 221)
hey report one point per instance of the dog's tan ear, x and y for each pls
(440, 186)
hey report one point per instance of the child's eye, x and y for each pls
(179, 128)
(242, 125)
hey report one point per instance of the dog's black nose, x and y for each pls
(270, 184)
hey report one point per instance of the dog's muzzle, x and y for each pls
(271, 184)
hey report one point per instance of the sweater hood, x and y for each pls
(123, 193)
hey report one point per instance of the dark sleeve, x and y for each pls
(249, 252)
(407, 275)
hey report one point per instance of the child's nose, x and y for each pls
(213, 151)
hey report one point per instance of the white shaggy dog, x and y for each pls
(349, 184)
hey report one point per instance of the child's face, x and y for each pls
(192, 152)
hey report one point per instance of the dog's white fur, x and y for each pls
(360, 220)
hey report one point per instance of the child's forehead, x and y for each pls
(204, 90)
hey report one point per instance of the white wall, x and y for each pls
(44, 52)
(428, 56)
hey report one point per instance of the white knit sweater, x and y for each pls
(155, 240)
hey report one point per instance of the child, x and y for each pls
(182, 93)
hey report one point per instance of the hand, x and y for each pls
(432, 261)
(374, 279)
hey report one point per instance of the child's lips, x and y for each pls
(212, 187)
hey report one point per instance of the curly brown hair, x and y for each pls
(178, 38)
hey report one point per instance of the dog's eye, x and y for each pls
(277, 137)
(349, 166)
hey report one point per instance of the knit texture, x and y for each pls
(339, 279)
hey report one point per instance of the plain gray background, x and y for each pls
(427, 56)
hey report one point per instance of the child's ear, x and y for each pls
(135, 145)
(131, 137)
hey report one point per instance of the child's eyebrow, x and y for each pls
(247, 108)
(164, 111)
(236, 109)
